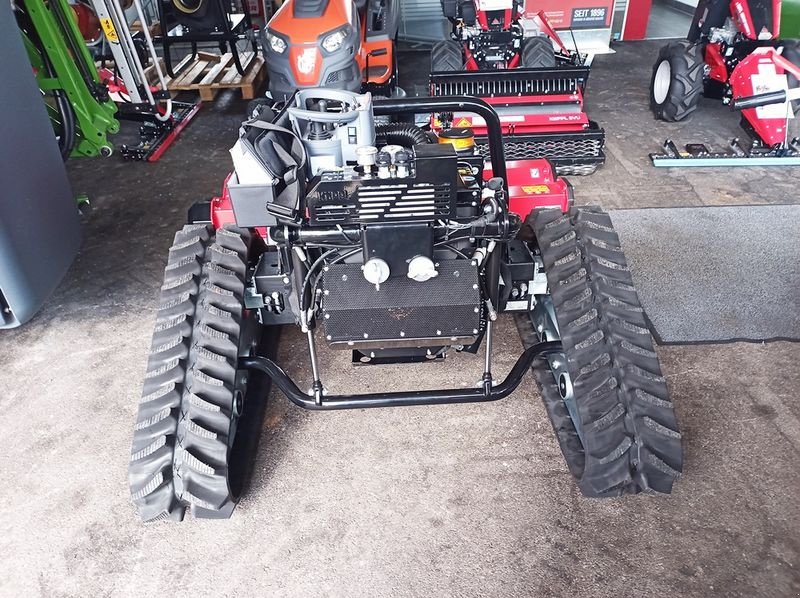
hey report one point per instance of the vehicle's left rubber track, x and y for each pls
(187, 416)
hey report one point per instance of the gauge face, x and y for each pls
(376, 271)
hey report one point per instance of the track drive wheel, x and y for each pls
(537, 53)
(447, 56)
(677, 81)
(605, 395)
(193, 393)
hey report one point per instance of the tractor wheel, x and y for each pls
(791, 52)
(193, 392)
(537, 53)
(447, 56)
(677, 82)
(605, 395)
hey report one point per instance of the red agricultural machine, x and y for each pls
(379, 241)
(526, 73)
(733, 53)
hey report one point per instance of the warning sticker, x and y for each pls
(464, 122)
(535, 189)
(108, 28)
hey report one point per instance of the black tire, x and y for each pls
(193, 393)
(447, 56)
(627, 440)
(537, 53)
(791, 52)
(677, 81)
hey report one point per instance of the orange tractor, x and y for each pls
(337, 44)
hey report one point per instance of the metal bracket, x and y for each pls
(403, 398)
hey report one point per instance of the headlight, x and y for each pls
(334, 41)
(276, 43)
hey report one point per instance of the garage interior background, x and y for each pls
(625, 20)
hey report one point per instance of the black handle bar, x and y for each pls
(762, 99)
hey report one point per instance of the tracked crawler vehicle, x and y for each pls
(376, 241)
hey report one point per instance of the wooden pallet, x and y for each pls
(208, 73)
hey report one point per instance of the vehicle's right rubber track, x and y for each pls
(181, 445)
(630, 435)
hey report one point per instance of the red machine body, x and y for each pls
(534, 184)
(762, 72)
(758, 20)
(516, 119)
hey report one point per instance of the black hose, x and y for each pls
(401, 134)
(66, 141)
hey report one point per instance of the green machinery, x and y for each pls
(790, 19)
(78, 102)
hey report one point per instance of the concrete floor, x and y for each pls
(441, 501)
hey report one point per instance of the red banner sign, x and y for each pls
(573, 14)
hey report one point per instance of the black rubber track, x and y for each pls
(447, 56)
(537, 53)
(630, 435)
(686, 85)
(179, 457)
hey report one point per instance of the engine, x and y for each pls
(392, 238)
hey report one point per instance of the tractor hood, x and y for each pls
(308, 21)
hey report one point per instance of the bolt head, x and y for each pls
(438, 333)
(329, 337)
(402, 333)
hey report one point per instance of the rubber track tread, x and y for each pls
(447, 56)
(184, 420)
(630, 435)
(537, 53)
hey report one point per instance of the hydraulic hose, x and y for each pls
(454, 104)
(401, 134)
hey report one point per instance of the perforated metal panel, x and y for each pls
(402, 309)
